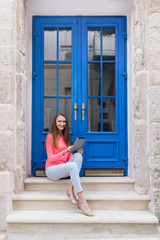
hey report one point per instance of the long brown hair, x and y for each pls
(55, 132)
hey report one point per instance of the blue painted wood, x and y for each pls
(120, 135)
(102, 149)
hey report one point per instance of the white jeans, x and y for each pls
(70, 168)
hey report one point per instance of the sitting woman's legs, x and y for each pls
(71, 168)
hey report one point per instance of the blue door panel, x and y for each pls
(102, 149)
(107, 154)
(108, 150)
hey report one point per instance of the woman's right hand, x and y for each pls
(68, 149)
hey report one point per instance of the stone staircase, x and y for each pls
(43, 212)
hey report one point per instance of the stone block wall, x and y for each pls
(140, 104)
(12, 103)
(154, 102)
(146, 29)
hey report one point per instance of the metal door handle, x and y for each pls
(75, 111)
(83, 111)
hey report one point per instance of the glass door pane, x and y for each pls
(50, 44)
(101, 79)
(50, 79)
(57, 74)
(65, 50)
(108, 42)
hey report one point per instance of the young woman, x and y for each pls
(61, 163)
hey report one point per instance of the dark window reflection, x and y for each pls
(109, 115)
(65, 50)
(108, 79)
(108, 43)
(49, 113)
(65, 107)
(94, 113)
(94, 43)
(65, 79)
(50, 79)
(94, 79)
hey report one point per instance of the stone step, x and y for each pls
(88, 183)
(73, 224)
(110, 200)
(50, 237)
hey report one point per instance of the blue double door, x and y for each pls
(79, 68)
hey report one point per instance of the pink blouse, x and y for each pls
(55, 155)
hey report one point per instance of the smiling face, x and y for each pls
(60, 123)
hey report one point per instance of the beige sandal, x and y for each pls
(71, 198)
(87, 212)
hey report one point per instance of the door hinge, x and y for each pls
(35, 34)
(124, 74)
(34, 75)
(124, 34)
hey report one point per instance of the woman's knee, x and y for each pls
(73, 165)
(78, 156)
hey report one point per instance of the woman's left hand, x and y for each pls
(80, 150)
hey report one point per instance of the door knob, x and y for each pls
(75, 111)
(83, 111)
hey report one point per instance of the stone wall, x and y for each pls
(154, 102)
(21, 95)
(140, 104)
(12, 103)
(146, 32)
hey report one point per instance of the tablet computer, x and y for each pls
(78, 144)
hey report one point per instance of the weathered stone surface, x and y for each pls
(154, 21)
(21, 142)
(6, 182)
(5, 93)
(146, 98)
(5, 209)
(154, 77)
(153, 6)
(3, 236)
(6, 120)
(19, 178)
(21, 98)
(139, 60)
(140, 162)
(154, 113)
(6, 37)
(157, 205)
(154, 59)
(7, 59)
(140, 115)
(7, 150)
(154, 103)
(8, 13)
(154, 36)
(155, 95)
(156, 181)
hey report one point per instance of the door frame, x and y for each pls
(80, 74)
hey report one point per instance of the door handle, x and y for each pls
(75, 111)
(83, 111)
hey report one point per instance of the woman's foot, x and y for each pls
(71, 197)
(83, 206)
